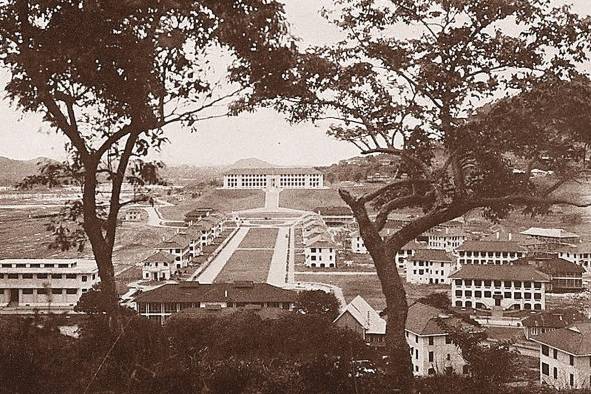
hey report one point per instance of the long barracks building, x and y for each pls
(284, 178)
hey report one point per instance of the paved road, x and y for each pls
(278, 266)
(344, 273)
(215, 267)
(272, 199)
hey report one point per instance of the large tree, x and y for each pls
(111, 75)
(470, 95)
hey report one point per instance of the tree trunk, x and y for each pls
(399, 368)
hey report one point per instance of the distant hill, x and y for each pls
(251, 163)
(13, 171)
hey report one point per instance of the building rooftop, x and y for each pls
(204, 313)
(273, 171)
(160, 257)
(321, 241)
(575, 339)
(423, 319)
(438, 255)
(491, 246)
(549, 233)
(500, 272)
(177, 241)
(447, 232)
(551, 265)
(365, 315)
(50, 265)
(238, 292)
(584, 247)
(558, 318)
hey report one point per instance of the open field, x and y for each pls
(222, 200)
(310, 199)
(368, 287)
(247, 265)
(259, 238)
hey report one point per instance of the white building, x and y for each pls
(499, 287)
(556, 236)
(579, 254)
(447, 238)
(407, 251)
(431, 349)
(489, 252)
(159, 266)
(179, 246)
(284, 178)
(45, 284)
(357, 245)
(320, 252)
(565, 357)
(429, 266)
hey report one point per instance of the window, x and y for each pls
(447, 339)
(571, 360)
(430, 357)
(555, 373)
(545, 350)
(27, 276)
(487, 294)
(27, 291)
(70, 276)
(430, 341)
(12, 276)
(507, 294)
(71, 291)
(416, 353)
(57, 291)
(572, 379)
(478, 294)
(517, 296)
(85, 278)
(56, 276)
(42, 291)
(545, 369)
(555, 353)
(458, 293)
(42, 276)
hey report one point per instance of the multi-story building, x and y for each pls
(361, 318)
(159, 266)
(197, 214)
(335, 216)
(357, 245)
(431, 348)
(546, 321)
(489, 252)
(579, 254)
(553, 236)
(284, 178)
(565, 357)
(320, 252)
(45, 284)
(179, 245)
(406, 251)
(429, 266)
(448, 238)
(565, 276)
(499, 287)
(159, 304)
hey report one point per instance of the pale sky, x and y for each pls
(263, 134)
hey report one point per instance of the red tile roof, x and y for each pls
(500, 272)
(238, 292)
(575, 340)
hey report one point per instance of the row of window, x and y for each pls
(497, 283)
(480, 305)
(426, 264)
(571, 377)
(45, 291)
(313, 257)
(470, 253)
(506, 294)
(38, 265)
(45, 276)
(319, 250)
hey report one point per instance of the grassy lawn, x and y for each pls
(247, 265)
(309, 199)
(259, 238)
(368, 287)
(222, 200)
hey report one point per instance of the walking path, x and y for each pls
(344, 273)
(278, 266)
(214, 268)
(272, 199)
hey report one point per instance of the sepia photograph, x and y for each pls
(295, 196)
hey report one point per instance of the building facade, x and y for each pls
(159, 266)
(429, 266)
(320, 251)
(565, 357)
(160, 303)
(277, 177)
(499, 287)
(446, 238)
(45, 284)
(489, 252)
(579, 254)
(361, 318)
(565, 276)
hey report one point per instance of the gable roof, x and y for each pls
(365, 315)
(177, 241)
(500, 272)
(551, 265)
(575, 339)
(239, 292)
(321, 241)
(584, 247)
(549, 232)
(438, 255)
(422, 319)
(160, 257)
(491, 246)
(558, 318)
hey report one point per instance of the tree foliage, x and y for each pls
(112, 75)
(318, 302)
(469, 95)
